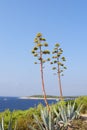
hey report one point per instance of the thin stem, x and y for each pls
(59, 79)
(42, 78)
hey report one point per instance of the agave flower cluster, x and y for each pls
(37, 51)
(58, 59)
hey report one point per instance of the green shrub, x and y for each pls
(82, 100)
(26, 118)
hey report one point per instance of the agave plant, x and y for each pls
(48, 122)
(9, 125)
(66, 113)
(2, 124)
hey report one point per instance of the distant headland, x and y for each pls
(49, 97)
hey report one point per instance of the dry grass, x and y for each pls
(80, 124)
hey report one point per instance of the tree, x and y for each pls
(58, 61)
(39, 52)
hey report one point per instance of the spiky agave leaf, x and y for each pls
(52, 122)
(48, 122)
(67, 113)
(58, 118)
(64, 122)
(78, 111)
(45, 118)
(2, 124)
(10, 124)
(48, 119)
(32, 128)
(39, 123)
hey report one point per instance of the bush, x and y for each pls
(82, 100)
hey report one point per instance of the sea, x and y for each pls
(16, 103)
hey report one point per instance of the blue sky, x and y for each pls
(63, 21)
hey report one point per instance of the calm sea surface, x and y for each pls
(15, 103)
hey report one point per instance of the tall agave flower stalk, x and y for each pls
(39, 52)
(58, 61)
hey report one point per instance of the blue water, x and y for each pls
(15, 103)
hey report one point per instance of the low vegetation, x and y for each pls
(62, 116)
